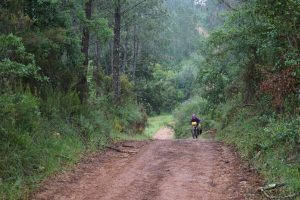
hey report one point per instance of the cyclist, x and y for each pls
(198, 121)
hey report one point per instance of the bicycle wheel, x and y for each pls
(194, 132)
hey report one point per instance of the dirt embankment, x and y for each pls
(157, 170)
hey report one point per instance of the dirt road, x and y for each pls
(162, 169)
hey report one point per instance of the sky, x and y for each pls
(200, 2)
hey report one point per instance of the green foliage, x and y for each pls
(186, 77)
(183, 113)
(24, 140)
(15, 63)
(181, 29)
(270, 143)
(153, 125)
(168, 87)
(44, 125)
(254, 50)
(214, 82)
(41, 137)
(157, 122)
(101, 29)
(58, 104)
(127, 116)
(161, 92)
(18, 111)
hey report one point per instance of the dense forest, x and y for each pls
(75, 74)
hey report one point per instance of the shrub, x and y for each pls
(271, 143)
(58, 104)
(18, 111)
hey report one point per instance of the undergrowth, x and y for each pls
(42, 137)
(183, 113)
(153, 125)
(271, 142)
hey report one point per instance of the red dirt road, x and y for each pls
(157, 170)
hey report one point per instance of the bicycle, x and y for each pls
(195, 130)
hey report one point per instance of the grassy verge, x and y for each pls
(154, 124)
(271, 144)
(55, 146)
(34, 160)
(40, 138)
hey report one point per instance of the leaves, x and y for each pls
(260, 36)
(15, 62)
(279, 85)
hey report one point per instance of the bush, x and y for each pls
(40, 136)
(133, 118)
(271, 143)
(18, 112)
(58, 104)
(30, 146)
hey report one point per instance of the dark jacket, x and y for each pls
(196, 119)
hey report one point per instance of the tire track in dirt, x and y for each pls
(160, 170)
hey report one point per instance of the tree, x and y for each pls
(83, 87)
(256, 50)
(116, 51)
(16, 65)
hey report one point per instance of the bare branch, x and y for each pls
(122, 151)
(275, 186)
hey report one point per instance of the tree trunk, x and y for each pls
(116, 52)
(135, 52)
(111, 48)
(250, 79)
(83, 87)
(86, 33)
(96, 72)
(98, 54)
(124, 64)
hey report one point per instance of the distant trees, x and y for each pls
(255, 53)
(115, 38)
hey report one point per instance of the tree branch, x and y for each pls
(132, 22)
(134, 6)
(275, 186)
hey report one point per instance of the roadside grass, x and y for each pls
(27, 166)
(270, 144)
(54, 147)
(153, 125)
